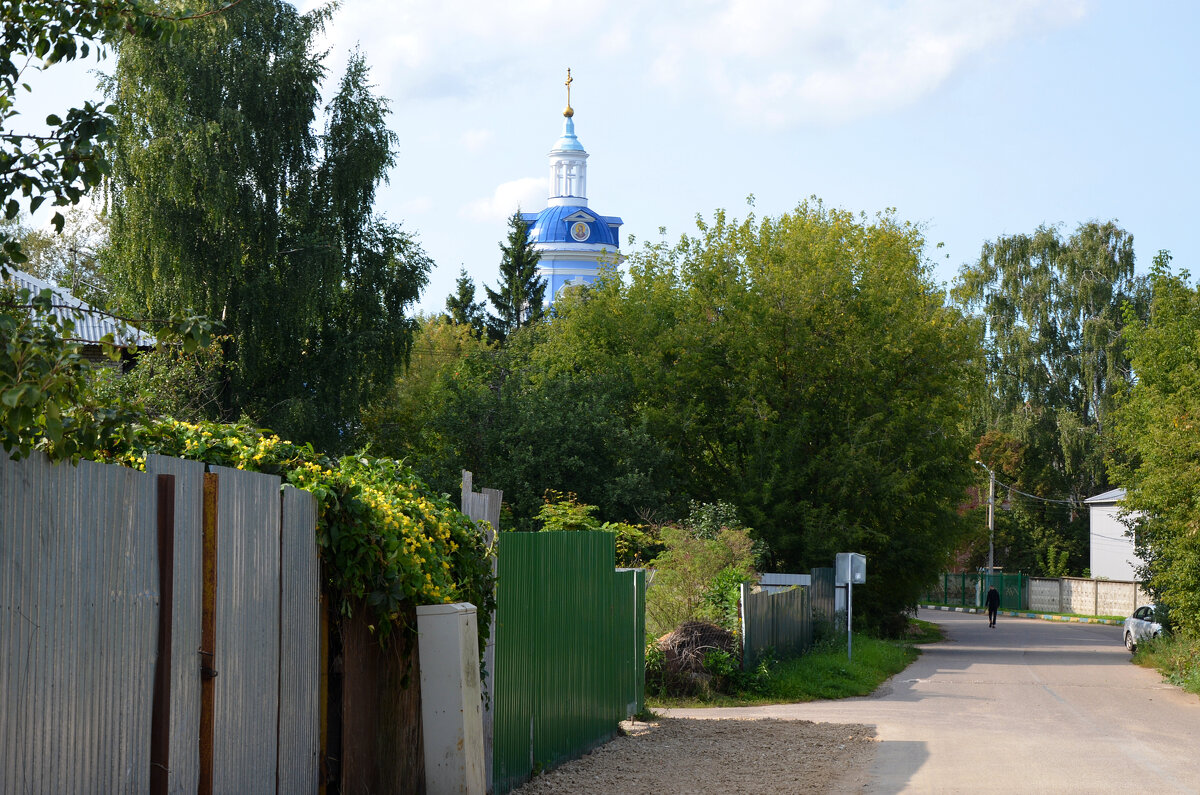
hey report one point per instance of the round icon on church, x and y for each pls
(580, 231)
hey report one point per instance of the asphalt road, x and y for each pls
(1030, 706)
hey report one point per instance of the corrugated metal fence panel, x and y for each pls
(559, 690)
(639, 617)
(299, 645)
(781, 621)
(824, 604)
(625, 649)
(630, 626)
(246, 657)
(78, 626)
(184, 773)
(969, 589)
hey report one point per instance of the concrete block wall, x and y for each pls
(1085, 597)
(1078, 596)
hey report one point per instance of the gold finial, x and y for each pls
(568, 112)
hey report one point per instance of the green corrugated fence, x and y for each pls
(569, 650)
(968, 589)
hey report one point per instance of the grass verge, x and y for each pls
(824, 672)
(1176, 658)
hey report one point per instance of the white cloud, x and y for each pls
(784, 61)
(779, 62)
(528, 193)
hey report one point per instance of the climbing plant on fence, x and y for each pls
(385, 537)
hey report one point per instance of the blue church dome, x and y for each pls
(573, 224)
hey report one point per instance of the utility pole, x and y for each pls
(991, 523)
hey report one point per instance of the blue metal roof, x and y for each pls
(551, 226)
(568, 142)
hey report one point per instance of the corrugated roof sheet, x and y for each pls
(1113, 495)
(90, 325)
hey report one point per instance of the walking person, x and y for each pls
(993, 605)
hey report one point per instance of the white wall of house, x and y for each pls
(1112, 555)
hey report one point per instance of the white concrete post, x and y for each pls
(451, 703)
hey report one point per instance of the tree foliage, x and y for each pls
(520, 295)
(801, 368)
(1158, 443)
(1053, 311)
(225, 198)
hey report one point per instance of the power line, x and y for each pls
(1036, 497)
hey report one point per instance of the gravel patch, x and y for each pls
(685, 755)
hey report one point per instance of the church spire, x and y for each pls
(568, 162)
(568, 112)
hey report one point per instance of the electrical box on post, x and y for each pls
(850, 568)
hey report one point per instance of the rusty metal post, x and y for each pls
(160, 719)
(208, 633)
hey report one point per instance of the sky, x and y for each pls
(973, 119)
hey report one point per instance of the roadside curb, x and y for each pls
(1116, 622)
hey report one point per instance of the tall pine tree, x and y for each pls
(461, 307)
(521, 294)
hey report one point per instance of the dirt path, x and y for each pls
(682, 755)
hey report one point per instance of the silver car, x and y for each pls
(1141, 625)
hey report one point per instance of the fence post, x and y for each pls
(208, 634)
(160, 718)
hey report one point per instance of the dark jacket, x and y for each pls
(993, 599)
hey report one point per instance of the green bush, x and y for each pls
(693, 577)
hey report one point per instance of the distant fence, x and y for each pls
(159, 630)
(1085, 597)
(780, 621)
(969, 589)
(569, 649)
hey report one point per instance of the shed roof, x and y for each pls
(1111, 496)
(91, 326)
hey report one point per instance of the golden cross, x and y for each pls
(568, 112)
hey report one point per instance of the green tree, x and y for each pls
(226, 199)
(411, 420)
(1055, 363)
(1157, 442)
(44, 400)
(461, 307)
(166, 382)
(803, 369)
(520, 295)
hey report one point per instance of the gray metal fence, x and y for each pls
(823, 594)
(781, 622)
(91, 558)
(184, 756)
(78, 626)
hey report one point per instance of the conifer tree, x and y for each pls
(519, 297)
(461, 307)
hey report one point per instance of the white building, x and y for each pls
(1112, 554)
